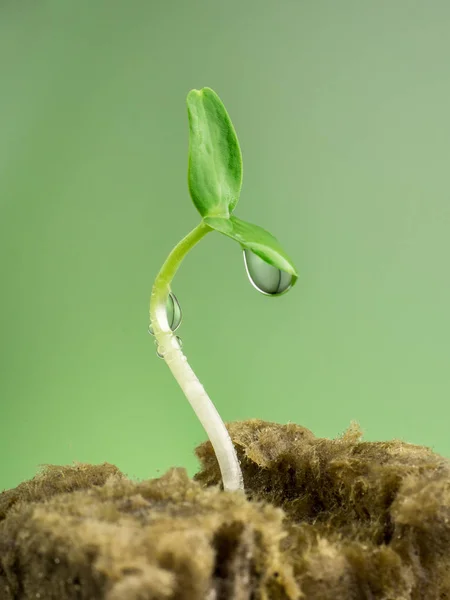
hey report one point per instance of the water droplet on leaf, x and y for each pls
(266, 278)
(174, 314)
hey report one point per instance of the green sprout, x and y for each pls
(215, 181)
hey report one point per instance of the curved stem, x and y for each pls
(170, 349)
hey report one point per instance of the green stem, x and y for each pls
(170, 349)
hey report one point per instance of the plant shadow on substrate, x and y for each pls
(321, 519)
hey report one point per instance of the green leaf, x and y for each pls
(258, 240)
(215, 160)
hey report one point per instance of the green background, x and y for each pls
(342, 111)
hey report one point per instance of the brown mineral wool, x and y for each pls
(364, 519)
(166, 538)
(54, 480)
(323, 520)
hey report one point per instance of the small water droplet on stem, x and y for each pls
(174, 314)
(160, 351)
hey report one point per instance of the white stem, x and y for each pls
(205, 410)
(194, 391)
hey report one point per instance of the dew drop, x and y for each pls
(174, 314)
(266, 278)
(159, 350)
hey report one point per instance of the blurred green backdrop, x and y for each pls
(342, 110)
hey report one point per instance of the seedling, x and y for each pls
(215, 181)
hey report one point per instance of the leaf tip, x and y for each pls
(203, 92)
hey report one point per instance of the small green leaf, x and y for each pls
(258, 240)
(215, 160)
